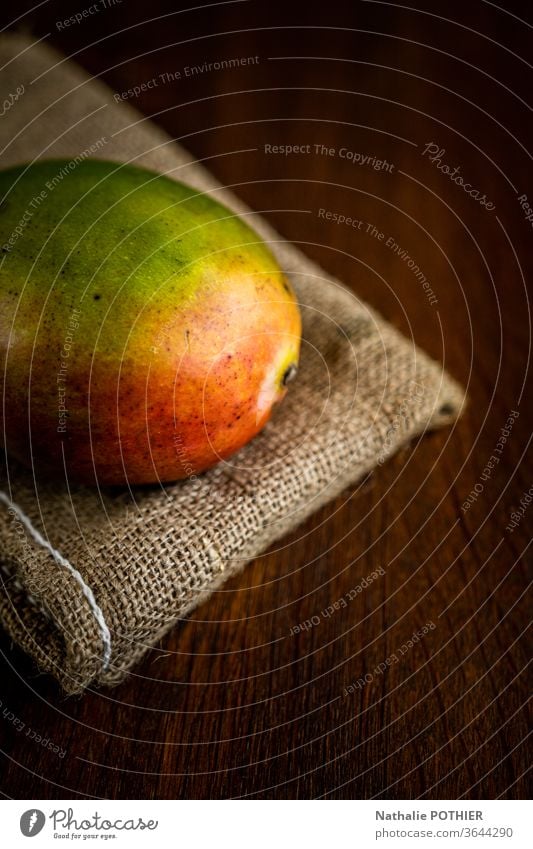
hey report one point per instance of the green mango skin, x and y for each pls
(146, 332)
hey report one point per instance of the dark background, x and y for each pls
(229, 706)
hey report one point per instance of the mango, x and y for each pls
(146, 332)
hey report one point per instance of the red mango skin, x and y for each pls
(146, 332)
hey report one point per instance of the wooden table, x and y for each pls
(226, 708)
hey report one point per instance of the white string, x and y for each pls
(58, 557)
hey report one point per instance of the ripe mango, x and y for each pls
(146, 332)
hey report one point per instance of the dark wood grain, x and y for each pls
(230, 704)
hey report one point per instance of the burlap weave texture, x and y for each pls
(143, 560)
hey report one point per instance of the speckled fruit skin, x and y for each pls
(145, 331)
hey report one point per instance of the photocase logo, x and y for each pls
(32, 822)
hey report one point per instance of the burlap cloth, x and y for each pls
(92, 580)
